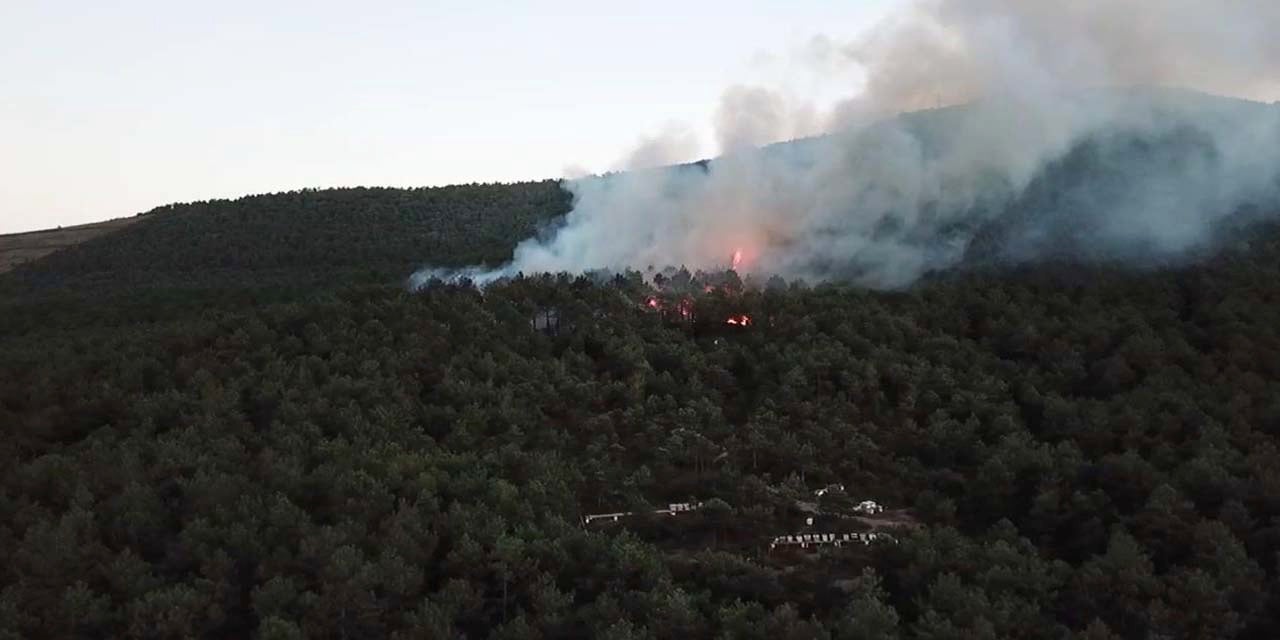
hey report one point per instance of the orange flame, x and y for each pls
(739, 321)
(737, 259)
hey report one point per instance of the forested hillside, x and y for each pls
(187, 258)
(232, 420)
(370, 235)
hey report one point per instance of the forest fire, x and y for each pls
(686, 308)
(680, 295)
(683, 307)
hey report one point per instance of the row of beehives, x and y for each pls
(671, 510)
(805, 540)
(801, 540)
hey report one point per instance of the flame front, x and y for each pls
(737, 259)
(739, 321)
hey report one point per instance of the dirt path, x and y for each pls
(896, 519)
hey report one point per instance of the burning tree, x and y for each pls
(715, 297)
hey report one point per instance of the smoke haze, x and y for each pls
(1060, 132)
(673, 144)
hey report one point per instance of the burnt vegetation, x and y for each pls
(230, 419)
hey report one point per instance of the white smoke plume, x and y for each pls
(750, 117)
(675, 143)
(1060, 115)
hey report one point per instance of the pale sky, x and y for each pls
(111, 108)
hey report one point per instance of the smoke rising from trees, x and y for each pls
(1060, 128)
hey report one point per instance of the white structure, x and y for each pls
(610, 517)
(680, 507)
(671, 510)
(805, 540)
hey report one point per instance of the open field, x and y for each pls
(19, 248)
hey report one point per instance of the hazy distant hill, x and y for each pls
(1146, 176)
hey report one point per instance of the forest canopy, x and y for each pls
(231, 419)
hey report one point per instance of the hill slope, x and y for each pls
(185, 258)
(1092, 452)
(22, 248)
(1117, 193)
(255, 434)
(306, 236)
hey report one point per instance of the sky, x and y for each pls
(111, 109)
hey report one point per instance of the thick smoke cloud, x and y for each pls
(1060, 130)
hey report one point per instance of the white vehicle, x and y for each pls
(831, 487)
(869, 507)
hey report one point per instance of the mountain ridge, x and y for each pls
(390, 231)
